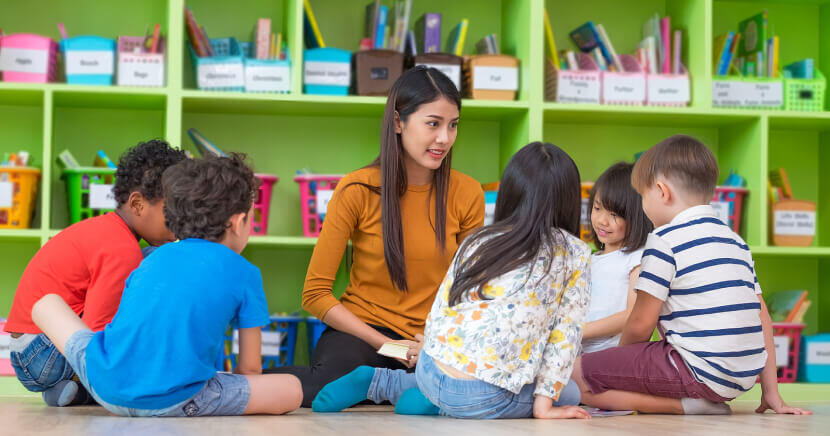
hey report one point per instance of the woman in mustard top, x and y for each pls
(403, 238)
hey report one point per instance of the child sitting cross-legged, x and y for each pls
(506, 325)
(157, 356)
(699, 288)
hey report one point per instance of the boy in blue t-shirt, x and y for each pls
(156, 357)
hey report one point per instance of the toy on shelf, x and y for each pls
(88, 189)
(316, 191)
(18, 190)
(793, 221)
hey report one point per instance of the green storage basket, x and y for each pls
(749, 80)
(805, 94)
(79, 182)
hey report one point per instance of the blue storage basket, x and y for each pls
(314, 329)
(287, 325)
(814, 362)
(227, 52)
(247, 50)
(324, 85)
(106, 47)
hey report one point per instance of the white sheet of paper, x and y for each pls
(396, 351)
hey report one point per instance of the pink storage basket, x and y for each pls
(25, 57)
(315, 193)
(789, 373)
(136, 66)
(734, 200)
(259, 223)
(5, 361)
(632, 79)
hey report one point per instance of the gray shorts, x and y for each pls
(222, 395)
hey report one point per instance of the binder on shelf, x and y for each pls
(627, 87)
(138, 67)
(669, 89)
(747, 92)
(491, 77)
(446, 63)
(574, 86)
(327, 71)
(265, 75)
(376, 70)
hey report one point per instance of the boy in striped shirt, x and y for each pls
(699, 288)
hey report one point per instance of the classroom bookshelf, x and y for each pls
(283, 133)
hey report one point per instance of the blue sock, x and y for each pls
(413, 402)
(61, 394)
(344, 392)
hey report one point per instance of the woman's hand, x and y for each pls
(415, 349)
(411, 344)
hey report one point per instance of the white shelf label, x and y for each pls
(6, 194)
(5, 346)
(722, 210)
(576, 87)
(271, 342)
(489, 213)
(496, 78)
(327, 73)
(782, 348)
(748, 94)
(141, 71)
(818, 353)
(583, 216)
(668, 89)
(795, 223)
(624, 87)
(323, 199)
(101, 197)
(227, 75)
(89, 62)
(451, 71)
(267, 78)
(24, 60)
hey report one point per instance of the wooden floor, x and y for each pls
(26, 414)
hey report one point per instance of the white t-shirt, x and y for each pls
(609, 291)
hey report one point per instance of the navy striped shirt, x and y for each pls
(705, 276)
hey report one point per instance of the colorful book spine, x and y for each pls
(313, 36)
(678, 43)
(428, 32)
(723, 44)
(552, 53)
(665, 30)
(380, 34)
(263, 38)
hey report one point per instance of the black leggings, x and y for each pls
(336, 355)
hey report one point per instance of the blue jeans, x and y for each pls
(222, 395)
(40, 366)
(460, 398)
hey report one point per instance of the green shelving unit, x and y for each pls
(285, 132)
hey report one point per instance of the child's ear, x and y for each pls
(238, 222)
(136, 203)
(398, 124)
(666, 194)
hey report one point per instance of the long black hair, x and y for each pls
(539, 198)
(417, 86)
(618, 196)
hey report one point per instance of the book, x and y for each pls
(665, 33)
(428, 32)
(484, 46)
(394, 350)
(610, 54)
(403, 9)
(600, 59)
(102, 160)
(678, 43)
(778, 178)
(455, 41)
(411, 46)
(155, 42)
(311, 33)
(204, 145)
(720, 52)
(649, 45)
(606, 413)
(194, 34)
(801, 312)
(733, 53)
(263, 38)
(67, 160)
(783, 305)
(803, 69)
(754, 31)
(652, 28)
(552, 53)
(571, 58)
(773, 56)
(380, 27)
(586, 37)
(371, 23)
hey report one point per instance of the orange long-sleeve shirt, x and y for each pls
(354, 213)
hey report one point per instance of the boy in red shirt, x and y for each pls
(87, 264)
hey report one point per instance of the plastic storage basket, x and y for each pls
(89, 60)
(805, 94)
(222, 72)
(278, 343)
(792, 332)
(728, 202)
(137, 67)
(814, 365)
(89, 192)
(18, 191)
(25, 57)
(315, 192)
(5, 361)
(265, 75)
(262, 204)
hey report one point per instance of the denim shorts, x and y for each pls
(40, 365)
(476, 399)
(222, 395)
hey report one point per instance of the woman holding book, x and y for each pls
(406, 214)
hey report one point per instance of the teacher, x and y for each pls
(406, 214)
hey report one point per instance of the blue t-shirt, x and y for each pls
(162, 344)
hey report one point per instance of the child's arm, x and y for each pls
(250, 351)
(643, 319)
(770, 397)
(612, 325)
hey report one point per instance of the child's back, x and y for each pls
(163, 342)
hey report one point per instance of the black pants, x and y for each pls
(336, 355)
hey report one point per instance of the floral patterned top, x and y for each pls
(528, 329)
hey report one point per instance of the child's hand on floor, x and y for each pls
(543, 408)
(774, 402)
